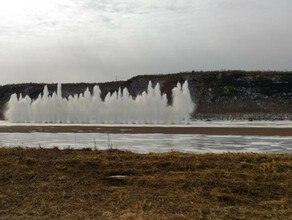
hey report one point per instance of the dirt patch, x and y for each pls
(261, 131)
(81, 184)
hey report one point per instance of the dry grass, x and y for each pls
(76, 184)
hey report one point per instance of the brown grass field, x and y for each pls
(78, 184)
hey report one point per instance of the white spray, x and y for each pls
(119, 108)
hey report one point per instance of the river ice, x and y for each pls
(145, 143)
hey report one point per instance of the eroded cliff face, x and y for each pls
(218, 94)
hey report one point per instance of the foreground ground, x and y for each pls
(82, 184)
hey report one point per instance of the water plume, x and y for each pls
(118, 108)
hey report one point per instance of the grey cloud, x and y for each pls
(97, 40)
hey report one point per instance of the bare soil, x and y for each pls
(262, 131)
(114, 184)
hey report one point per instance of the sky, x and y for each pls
(101, 40)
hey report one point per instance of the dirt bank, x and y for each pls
(261, 131)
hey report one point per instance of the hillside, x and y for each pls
(218, 94)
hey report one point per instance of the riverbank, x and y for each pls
(113, 184)
(112, 129)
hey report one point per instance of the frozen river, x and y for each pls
(154, 142)
(197, 123)
(144, 143)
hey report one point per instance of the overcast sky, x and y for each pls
(97, 40)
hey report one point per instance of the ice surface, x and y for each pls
(145, 143)
(195, 123)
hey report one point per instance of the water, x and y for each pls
(119, 108)
(145, 143)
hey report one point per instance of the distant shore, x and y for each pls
(255, 131)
